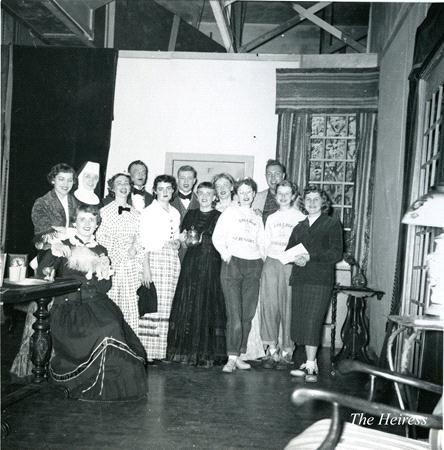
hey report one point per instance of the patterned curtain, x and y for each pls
(293, 144)
(364, 187)
(303, 92)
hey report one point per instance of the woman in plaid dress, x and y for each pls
(159, 234)
(119, 233)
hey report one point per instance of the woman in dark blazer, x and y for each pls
(313, 275)
(52, 217)
(53, 213)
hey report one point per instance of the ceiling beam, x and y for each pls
(229, 2)
(173, 33)
(222, 24)
(238, 12)
(338, 45)
(269, 35)
(336, 32)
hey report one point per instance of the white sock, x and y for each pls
(310, 364)
(273, 350)
(232, 357)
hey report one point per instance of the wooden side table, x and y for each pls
(355, 331)
(42, 292)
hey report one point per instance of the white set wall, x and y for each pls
(201, 103)
(193, 106)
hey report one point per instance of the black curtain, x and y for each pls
(62, 110)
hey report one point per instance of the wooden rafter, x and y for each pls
(238, 13)
(336, 32)
(222, 24)
(269, 35)
(338, 45)
(174, 32)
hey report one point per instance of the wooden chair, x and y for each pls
(334, 433)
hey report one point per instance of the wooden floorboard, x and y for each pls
(186, 408)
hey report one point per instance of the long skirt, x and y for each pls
(309, 307)
(97, 356)
(123, 291)
(196, 332)
(153, 327)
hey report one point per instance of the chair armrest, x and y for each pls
(348, 366)
(403, 417)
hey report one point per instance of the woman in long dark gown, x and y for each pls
(197, 322)
(97, 356)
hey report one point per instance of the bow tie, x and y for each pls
(122, 208)
(138, 191)
(185, 196)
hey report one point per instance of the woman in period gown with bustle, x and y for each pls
(197, 322)
(97, 356)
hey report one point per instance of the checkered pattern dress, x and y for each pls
(118, 233)
(153, 328)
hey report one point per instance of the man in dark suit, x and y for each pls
(185, 199)
(139, 197)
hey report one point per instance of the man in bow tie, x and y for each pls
(139, 197)
(185, 199)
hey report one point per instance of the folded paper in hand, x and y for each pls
(289, 255)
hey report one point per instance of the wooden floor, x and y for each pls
(186, 408)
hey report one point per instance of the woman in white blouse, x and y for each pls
(159, 235)
(239, 238)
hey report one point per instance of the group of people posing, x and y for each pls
(254, 255)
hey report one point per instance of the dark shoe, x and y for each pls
(284, 363)
(268, 362)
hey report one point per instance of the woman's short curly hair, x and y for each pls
(248, 182)
(326, 202)
(110, 182)
(290, 184)
(164, 179)
(61, 168)
(92, 209)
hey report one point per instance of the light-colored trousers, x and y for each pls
(275, 295)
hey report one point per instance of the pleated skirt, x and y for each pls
(308, 310)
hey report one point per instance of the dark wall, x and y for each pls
(62, 106)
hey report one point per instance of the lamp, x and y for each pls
(428, 211)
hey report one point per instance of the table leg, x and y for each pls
(41, 340)
(391, 364)
(362, 331)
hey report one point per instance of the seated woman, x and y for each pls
(97, 356)
(196, 332)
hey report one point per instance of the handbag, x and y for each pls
(147, 302)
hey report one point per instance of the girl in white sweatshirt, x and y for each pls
(239, 238)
